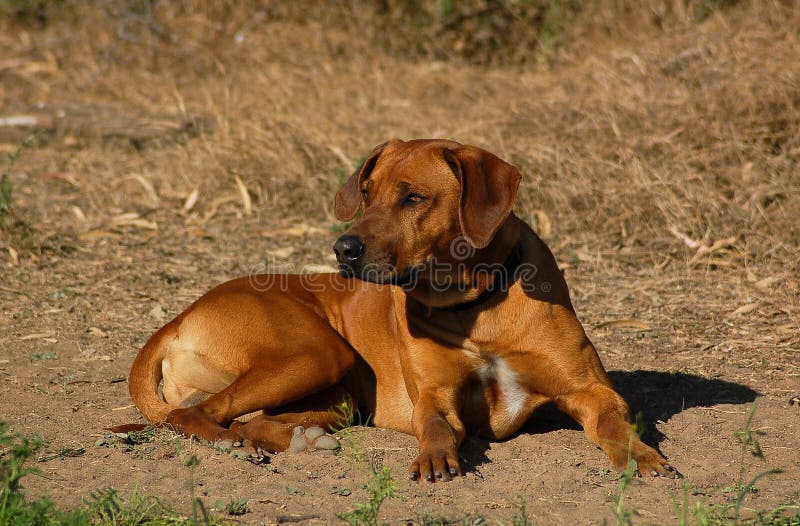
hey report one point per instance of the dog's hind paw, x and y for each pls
(312, 439)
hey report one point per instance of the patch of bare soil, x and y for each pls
(661, 166)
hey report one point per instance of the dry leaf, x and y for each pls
(318, 269)
(543, 224)
(199, 232)
(191, 200)
(98, 234)
(705, 250)
(96, 331)
(148, 188)
(299, 230)
(157, 312)
(626, 324)
(689, 242)
(767, 282)
(13, 255)
(247, 203)
(342, 157)
(282, 253)
(745, 309)
(38, 336)
(76, 210)
(133, 219)
(215, 205)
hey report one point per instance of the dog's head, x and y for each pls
(426, 204)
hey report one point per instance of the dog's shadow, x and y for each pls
(657, 395)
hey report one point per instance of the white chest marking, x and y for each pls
(496, 370)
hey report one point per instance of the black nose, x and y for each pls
(348, 249)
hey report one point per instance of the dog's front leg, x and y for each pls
(439, 431)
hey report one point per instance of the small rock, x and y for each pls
(158, 313)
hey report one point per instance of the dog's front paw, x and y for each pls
(649, 462)
(435, 466)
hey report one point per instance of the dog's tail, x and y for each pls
(146, 375)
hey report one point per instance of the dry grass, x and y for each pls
(620, 138)
(664, 134)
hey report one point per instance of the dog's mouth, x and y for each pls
(382, 274)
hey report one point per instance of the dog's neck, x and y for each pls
(477, 279)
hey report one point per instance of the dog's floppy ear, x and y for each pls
(488, 189)
(348, 199)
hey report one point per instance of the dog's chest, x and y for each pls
(496, 399)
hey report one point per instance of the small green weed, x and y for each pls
(705, 513)
(199, 512)
(45, 356)
(141, 437)
(15, 508)
(107, 507)
(5, 199)
(622, 513)
(6, 188)
(430, 520)
(104, 507)
(705, 8)
(380, 487)
(64, 453)
(234, 507)
(520, 518)
(346, 415)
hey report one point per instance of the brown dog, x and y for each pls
(460, 322)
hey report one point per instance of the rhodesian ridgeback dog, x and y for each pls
(449, 316)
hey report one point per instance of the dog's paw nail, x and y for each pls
(414, 476)
(453, 471)
(439, 474)
(429, 477)
(237, 444)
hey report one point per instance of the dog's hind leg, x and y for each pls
(301, 425)
(273, 380)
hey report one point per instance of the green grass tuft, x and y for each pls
(105, 507)
(380, 487)
(346, 415)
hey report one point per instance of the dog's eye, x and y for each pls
(412, 199)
